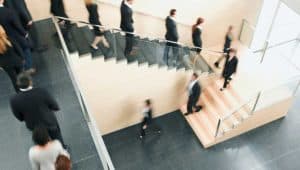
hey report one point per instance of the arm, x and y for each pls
(34, 165)
(23, 10)
(16, 24)
(18, 50)
(16, 111)
(50, 101)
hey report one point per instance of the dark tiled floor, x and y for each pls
(15, 140)
(275, 146)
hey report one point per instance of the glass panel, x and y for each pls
(247, 33)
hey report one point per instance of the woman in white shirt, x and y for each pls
(43, 155)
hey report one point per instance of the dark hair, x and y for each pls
(62, 163)
(40, 136)
(195, 75)
(198, 22)
(232, 50)
(148, 102)
(24, 80)
(172, 12)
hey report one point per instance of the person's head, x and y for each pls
(232, 52)
(194, 76)
(148, 103)
(4, 42)
(40, 136)
(1, 1)
(173, 12)
(129, 1)
(62, 163)
(24, 81)
(230, 28)
(200, 21)
(88, 2)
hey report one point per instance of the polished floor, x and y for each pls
(15, 139)
(275, 146)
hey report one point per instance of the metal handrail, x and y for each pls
(96, 135)
(275, 45)
(132, 33)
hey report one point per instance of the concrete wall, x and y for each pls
(150, 15)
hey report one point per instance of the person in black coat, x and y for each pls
(227, 45)
(20, 7)
(11, 57)
(230, 68)
(194, 90)
(94, 19)
(171, 35)
(36, 107)
(196, 34)
(127, 25)
(11, 23)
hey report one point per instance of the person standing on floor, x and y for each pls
(147, 118)
(127, 25)
(20, 7)
(196, 34)
(11, 23)
(36, 107)
(227, 45)
(230, 67)
(11, 57)
(194, 91)
(44, 154)
(171, 35)
(94, 19)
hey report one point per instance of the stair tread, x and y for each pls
(80, 41)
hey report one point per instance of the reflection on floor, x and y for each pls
(272, 147)
(15, 139)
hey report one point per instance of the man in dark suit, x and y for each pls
(20, 7)
(194, 94)
(127, 25)
(35, 106)
(171, 35)
(230, 67)
(11, 23)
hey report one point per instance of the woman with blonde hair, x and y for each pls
(11, 57)
(94, 19)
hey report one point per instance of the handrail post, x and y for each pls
(255, 104)
(296, 89)
(264, 51)
(218, 128)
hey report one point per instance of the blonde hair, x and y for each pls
(88, 2)
(4, 42)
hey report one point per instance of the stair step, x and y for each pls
(81, 42)
(149, 50)
(89, 35)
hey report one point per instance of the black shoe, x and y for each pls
(198, 108)
(217, 64)
(187, 114)
(221, 89)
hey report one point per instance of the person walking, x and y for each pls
(194, 91)
(172, 38)
(44, 153)
(35, 106)
(127, 25)
(11, 57)
(11, 23)
(230, 67)
(196, 34)
(227, 45)
(94, 19)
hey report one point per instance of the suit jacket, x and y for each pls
(20, 7)
(57, 8)
(12, 25)
(172, 33)
(13, 57)
(126, 18)
(35, 107)
(196, 91)
(93, 14)
(197, 41)
(230, 66)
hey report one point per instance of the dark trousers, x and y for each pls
(28, 58)
(13, 73)
(175, 52)
(55, 133)
(226, 81)
(129, 44)
(192, 103)
(144, 122)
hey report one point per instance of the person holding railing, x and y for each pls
(194, 91)
(196, 34)
(230, 67)
(127, 25)
(227, 45)
(171, 35)
(94, 19)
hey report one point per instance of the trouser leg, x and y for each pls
(13, 73)
(129, 44)
(166, 54)
(28, 58)
(226, 81)
(175, 51)
(190, 106)
(144, 122)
